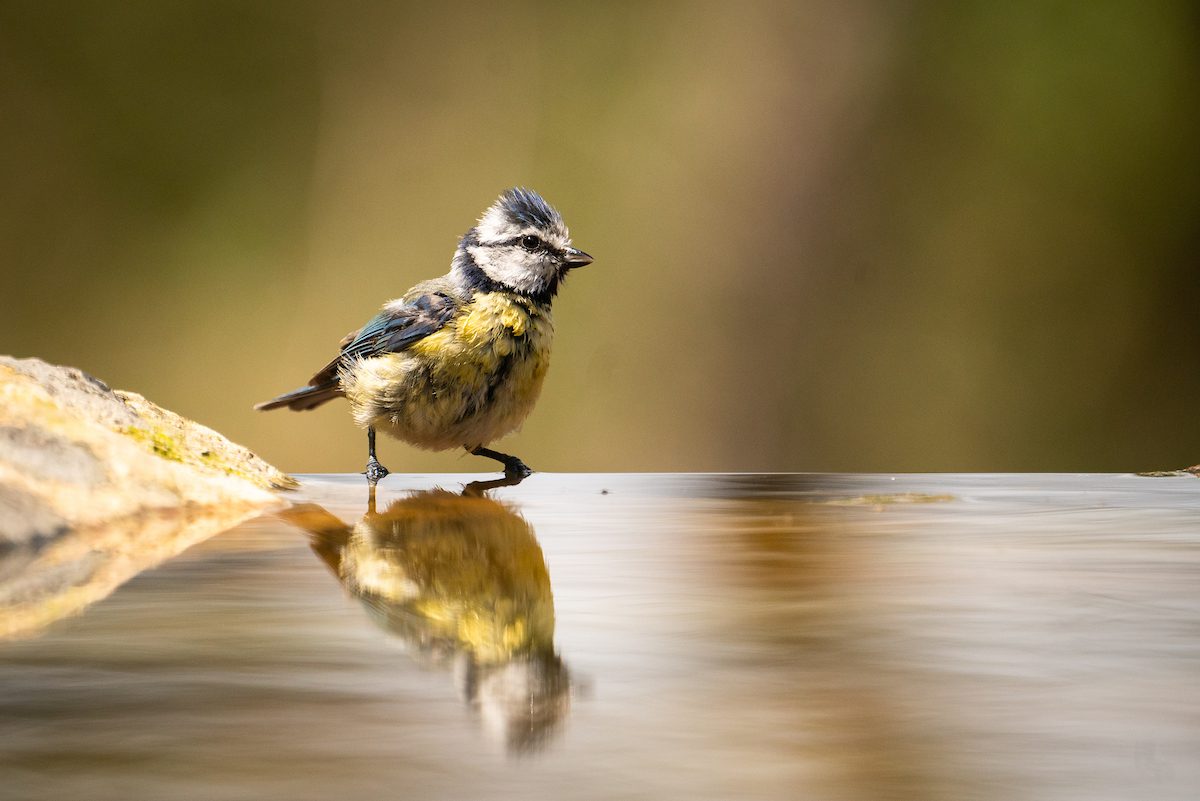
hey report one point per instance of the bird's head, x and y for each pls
(520, 244)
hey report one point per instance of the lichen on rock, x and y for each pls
(178, 439)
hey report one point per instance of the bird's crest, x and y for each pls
(518, 211)
(525, 207)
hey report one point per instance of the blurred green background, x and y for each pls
(828, 235)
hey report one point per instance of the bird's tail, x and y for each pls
(304, 398)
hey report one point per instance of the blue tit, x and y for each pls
(458, 361)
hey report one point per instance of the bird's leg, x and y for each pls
(512, 465)
(375, 470)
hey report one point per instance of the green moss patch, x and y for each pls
(157, 442)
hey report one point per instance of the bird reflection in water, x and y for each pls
(461, 580)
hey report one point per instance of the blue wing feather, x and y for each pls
(391, 331)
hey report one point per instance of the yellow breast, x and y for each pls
(469, 383)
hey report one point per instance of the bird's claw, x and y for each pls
(375, 471)
(515, 468)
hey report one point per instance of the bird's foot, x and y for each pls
(375, 471)
(515, 468)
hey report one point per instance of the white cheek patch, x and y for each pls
(514, 267)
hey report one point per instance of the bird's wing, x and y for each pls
(393, 330)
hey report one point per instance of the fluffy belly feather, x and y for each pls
(468, 384)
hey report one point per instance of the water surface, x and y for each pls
(640, 636)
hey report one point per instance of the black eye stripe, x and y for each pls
(542, 245)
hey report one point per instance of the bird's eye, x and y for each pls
(531, 243)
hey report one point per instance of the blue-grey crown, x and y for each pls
(526, 207)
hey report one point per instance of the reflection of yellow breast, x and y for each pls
(464, 571)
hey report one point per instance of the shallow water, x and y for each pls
(641, 636)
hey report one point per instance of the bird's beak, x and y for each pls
(577, 258)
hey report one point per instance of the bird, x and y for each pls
(458, 361)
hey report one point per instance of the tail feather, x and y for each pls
(304, 398)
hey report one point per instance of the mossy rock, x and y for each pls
(74, 452)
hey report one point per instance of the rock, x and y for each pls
(74, 453)
(1194, 470)
(96, 485)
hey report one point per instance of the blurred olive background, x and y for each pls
(828, 235)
